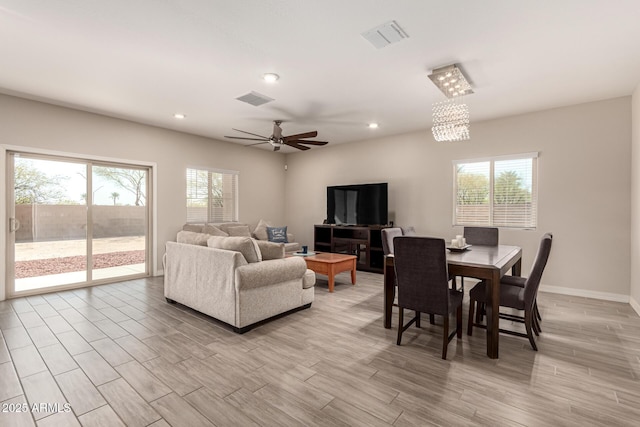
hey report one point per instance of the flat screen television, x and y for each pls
(362, 204)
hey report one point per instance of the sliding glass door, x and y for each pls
(75, 222)
(119, 213)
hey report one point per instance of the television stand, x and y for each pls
(363, 241)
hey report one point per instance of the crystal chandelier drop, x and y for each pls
(451, 117)
(450, 121)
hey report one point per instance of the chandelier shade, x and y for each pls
(450, 121)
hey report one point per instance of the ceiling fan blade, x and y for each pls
(301, 135)
(257, 143)
(249, 133)
(302, 141)
(247, 139)
(296, 145)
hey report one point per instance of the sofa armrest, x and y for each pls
(270, 272)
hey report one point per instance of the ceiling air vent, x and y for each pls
(385, 34)
(254, 98)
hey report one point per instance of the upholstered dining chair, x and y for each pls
(423, 284)
(486, 236)
(517, 297)
(388, 234)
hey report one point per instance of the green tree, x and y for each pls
(508, 189)
(31, 185)
(115, 196)
(131, 180)
(473, 189)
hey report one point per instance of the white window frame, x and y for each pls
(533, 222)
(193, 216)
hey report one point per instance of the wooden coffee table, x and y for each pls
(331, 264)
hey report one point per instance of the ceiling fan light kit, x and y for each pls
(451, 117)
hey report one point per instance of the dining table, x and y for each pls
(488, 263)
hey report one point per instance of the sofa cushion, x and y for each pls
(271, 250)
(292, 247)
(261, 230)
(245, 245)
(192, 238)
(196, 228)
(224, 226)
(213, 230)
(277, 234)
(240, 231)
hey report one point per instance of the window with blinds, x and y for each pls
(498, 192)
(212, 195)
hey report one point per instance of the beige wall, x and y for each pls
(584, 186)
(43, 126)
(635, 201)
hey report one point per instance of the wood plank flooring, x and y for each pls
(120, 355)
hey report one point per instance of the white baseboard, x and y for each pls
(634, 305)
(158, 272)
(587, 294)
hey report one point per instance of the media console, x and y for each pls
(365, 242)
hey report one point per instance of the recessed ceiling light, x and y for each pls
(179, 116)
(270, 77)
(373, 125)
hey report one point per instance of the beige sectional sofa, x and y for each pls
(237, 280)
(258, 232)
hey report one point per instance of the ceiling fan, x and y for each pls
(277, 140)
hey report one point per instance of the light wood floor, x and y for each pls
(120, 355)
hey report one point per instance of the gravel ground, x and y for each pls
(44, 267)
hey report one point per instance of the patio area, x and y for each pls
(62, 262)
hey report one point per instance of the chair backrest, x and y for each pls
(533, 281)
(388, 234)
(488, 236)
(421, 274)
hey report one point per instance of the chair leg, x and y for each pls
(445, 336)
(479, 312)
(536, 324)
(432, 319)
(417, 319)
(400, 324)
(459, 321)
(535, 307)
(528, 325)
(472, 306)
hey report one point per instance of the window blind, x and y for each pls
(499, 191)
(212, 195)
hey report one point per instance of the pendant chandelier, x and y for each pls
(451, 117)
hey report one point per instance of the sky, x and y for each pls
(75, 184)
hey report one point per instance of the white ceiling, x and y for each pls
(144, 60)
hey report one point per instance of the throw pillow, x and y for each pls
(192, 238)
(196, 228)
(271, 250)
(245, 245)
(261, 230)
(213, 230)
(277, 234)
(239, 231)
